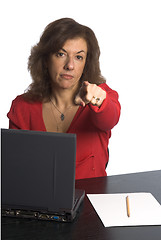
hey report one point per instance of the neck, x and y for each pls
(63, 98)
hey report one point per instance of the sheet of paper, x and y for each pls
(112, 209)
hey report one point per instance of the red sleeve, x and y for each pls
(107, 115)
(19, 114)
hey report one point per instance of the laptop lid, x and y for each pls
(38, 171)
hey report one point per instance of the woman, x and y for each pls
(68, 94)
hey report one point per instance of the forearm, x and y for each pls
(107, 115)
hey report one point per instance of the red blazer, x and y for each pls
(91, 124)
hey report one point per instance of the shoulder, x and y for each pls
(21, 102)
(20, 105)
(22, 111)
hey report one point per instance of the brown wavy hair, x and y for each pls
(51, 41)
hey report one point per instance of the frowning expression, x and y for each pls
(66, 66)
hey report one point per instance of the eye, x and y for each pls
(60, 54)
(79, 57)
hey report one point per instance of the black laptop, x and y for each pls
(38, 175)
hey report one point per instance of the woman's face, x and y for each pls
(66, 66)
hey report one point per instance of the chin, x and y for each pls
(69, 85)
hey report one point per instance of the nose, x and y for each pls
(69, 65)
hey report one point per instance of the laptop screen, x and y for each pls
(38, 170)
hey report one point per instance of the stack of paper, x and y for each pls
(112, 209)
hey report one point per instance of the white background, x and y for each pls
(129, 35)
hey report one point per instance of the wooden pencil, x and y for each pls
(128, 206)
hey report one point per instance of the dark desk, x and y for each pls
(88, 225)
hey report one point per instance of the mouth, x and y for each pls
(66, 76)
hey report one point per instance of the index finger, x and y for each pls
(85, 83)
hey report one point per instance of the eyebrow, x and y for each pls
(81, 51)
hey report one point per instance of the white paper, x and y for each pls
(112, 209)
